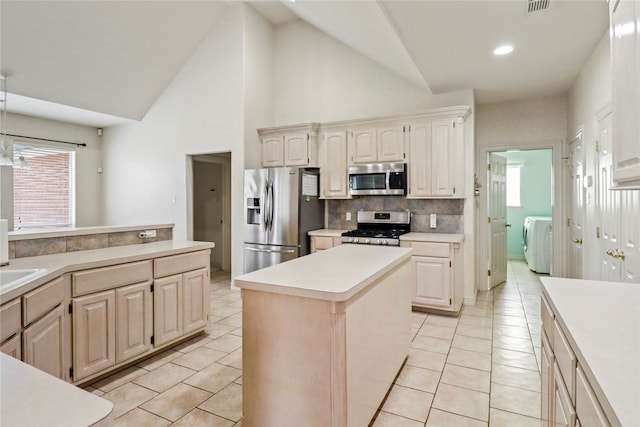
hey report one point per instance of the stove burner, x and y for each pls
(372, 230)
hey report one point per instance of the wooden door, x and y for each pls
(390, 144)
(195, 298)
(134, 317)
(334, 165)
(442, 147)
(577, 196)
(94, 338)
(362, 146)
(296, 146)
(272, 151)
(497, 204)
(167, 309)
(432, 281)
(420, 159)
(607, 202)
(43, 344)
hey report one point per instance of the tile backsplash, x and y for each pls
(450, 218)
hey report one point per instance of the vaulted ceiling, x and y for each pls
(104, 62)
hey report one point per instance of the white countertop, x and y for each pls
(31, 397)
(327, 232)
(42, 233)
(433, 237)
(603, 324)
(55, 265)
(335, 275)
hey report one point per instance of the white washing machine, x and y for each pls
(536, 241)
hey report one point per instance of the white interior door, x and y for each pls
(497, 204)
(577, 207)
(607, 202)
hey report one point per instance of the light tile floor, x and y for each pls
(479, 369)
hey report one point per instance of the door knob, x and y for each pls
(618, 254)
(577, 241)
(610, 253)
(507, 225)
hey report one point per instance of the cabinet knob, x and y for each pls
(577, 241)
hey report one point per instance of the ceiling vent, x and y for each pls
(532, 6)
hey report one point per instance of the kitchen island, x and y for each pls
(324, 336)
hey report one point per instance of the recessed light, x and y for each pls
(503, 50)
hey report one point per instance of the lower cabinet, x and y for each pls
(10, 328)
(43, 344)
(133, 321)
(436, 274)
(320, 243)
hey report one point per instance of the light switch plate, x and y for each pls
(432, 221)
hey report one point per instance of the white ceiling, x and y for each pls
(104, 62)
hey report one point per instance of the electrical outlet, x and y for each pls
(348, 216)
(432, 221)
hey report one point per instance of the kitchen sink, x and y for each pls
(15, 277)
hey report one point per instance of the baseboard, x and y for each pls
(515, 257)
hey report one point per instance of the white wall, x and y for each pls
(528, 123)
(201, 111)
(590, 92)
(88, 159)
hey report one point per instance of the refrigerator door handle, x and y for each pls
(265, 206)
(271, 251)
(270, 197)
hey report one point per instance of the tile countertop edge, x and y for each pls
(59, 403)
(58, 264)
(80, 231)
(337, 266)
(433, 237)
(595, 338)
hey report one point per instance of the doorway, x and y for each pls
(519, 185)
(211, 205)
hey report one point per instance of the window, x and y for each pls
(513, 186)
(43, 193)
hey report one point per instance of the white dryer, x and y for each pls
(536, 241)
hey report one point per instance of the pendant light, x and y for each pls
(5, 160)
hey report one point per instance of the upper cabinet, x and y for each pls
(289, 146)
(436, 157)
(376, 144)
(333, 165)
(625, 58)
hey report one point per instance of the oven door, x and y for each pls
(368, 183)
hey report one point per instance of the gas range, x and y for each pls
(379, 228)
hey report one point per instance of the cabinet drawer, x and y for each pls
(564, 412)
(100, 279)
(547, 319)
(175, 264)
(433, 249)
(40, 301)
(10, 319)
(322, 243)
(588, 408)
(566, 360)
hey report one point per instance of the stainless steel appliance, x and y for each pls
(379, 228)
(281, 206)
(378, 179)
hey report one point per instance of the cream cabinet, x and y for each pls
(436, 158)
(181, 300)
(436, 274)
(44, 344)
(625, 58)
(289, 146)
(321, 243)
(10, 328)
(333, 165)
(134, 322)
(567, 397)
(376, 144)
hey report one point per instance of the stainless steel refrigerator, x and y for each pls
(281, 206)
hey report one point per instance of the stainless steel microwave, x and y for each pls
(388, 179)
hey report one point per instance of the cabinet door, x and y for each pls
(563, 413)
(43, 344)
(420, 159)
(195, 291)
(442, 150)
(167, 309)
(12, 347)
(432, 282)
(333, 174)
(133, 320)
(94, 338)
(390, 141)
(296, 149)
(10, 319)
(272, 151)
(625, 56)
(588, 409)
(362, 146)
(546, 383)
(320, 243)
